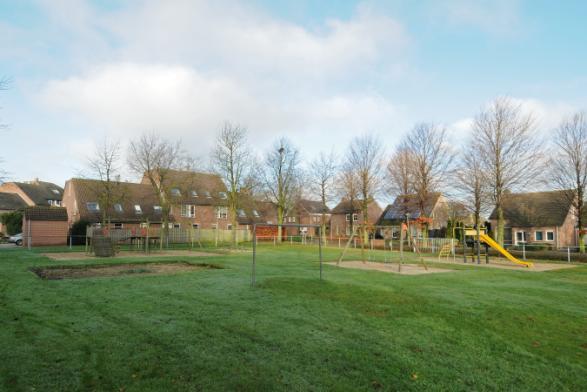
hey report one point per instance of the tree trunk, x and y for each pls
(279, 223)
(500, 226)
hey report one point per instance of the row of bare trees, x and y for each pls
(504, 153)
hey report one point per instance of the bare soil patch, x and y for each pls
(99, 270)
(502, 264)
(406, 269)
(125, 254)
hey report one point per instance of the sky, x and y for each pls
(318, 73)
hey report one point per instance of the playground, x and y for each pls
(207, 328)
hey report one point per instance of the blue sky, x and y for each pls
(319, 73)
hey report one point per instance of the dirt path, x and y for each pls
(502, 264)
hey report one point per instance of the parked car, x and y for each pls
(16, 239)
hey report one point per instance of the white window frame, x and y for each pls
(194, 193)
(97, 209)
(188, 210)
(241, 213)
(208, 195)
(255, 213)
(551, 232)
(118, 208)
(157, 209)
(348, 217)
(222, 213)
(355, 217)
(523, 240)
(223, 195)
(536, 235)
(138, 210)
(175, 192)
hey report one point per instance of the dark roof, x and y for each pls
(536, 209)
(209, 188)
(128, 194)
(408, 204)
(39, 213)
(266, 210)
(311, 207)
(40, 191)
(344, 207)
(11, 202)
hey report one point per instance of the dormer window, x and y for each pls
(241, 213)
(175, 192)
(118, 208)
(255, 214)
(157, 209)
(55, 191)
(223, 195)
(93, 206)
(208, 195)
(54, 203)
(194, 193)
(138, 209)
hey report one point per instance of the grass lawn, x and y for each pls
(471, 329)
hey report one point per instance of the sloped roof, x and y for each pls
(266, 210)
(311, 207)
(344, 207)
(409, 204)
(40, 191)
(195, 187)
(536, 209)
(39, 213)
(11, 202)
(128, 194)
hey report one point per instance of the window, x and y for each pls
(223, 195)
(175, 192)
(144, 225)
(176, 225)
(54, 203)
(290, 219)
(138, 209)
(520, 237)
(208, 195)
(118, 207)
(55, 191)
(539, 235)
(229, 227)
(241, 213)
(194, 193)
(93, 206)
(355, 217)
(222, 213)
(214, 226)
(188, 210)
(255, 214)
(195, 226)
(550, 236)
(348, 217)
(157, 209)
(118, 226)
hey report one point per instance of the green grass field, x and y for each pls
(471, 329)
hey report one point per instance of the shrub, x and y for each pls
(12, 221)
(78, 232)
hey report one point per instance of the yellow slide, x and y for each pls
(489, 241)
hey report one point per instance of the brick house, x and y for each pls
(43, 226)
(198, 200)
(9, 202)
(433, 216)
(538, 218)
(345, 216)
(35, 193)
(307, 212)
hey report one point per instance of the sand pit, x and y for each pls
(502, 264)
(100, 270)
(124, 254)
(406, 269)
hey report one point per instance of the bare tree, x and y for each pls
(509, 151)
(471, 181)
(154, 158)
(232, 160)
(365, 157)
(400, 172)
(569, 167)
(348, 188)
(281, 178)
(104, 166)
(431, 159)
(321, 177)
